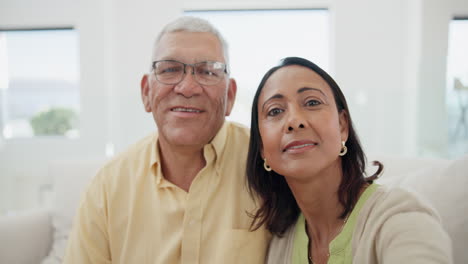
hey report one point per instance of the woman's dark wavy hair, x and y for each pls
(278, 209)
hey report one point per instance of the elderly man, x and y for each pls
(178, 196)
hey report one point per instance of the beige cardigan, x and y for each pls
(393, 227)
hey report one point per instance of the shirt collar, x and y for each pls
(155, 160)
(217, 143)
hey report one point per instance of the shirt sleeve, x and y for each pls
(89, 239)
(413, 237)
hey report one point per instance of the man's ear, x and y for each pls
(145, 93)
(344, 125)
(231, 96)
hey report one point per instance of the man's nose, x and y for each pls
(188, 87)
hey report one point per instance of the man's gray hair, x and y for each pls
(193, 24)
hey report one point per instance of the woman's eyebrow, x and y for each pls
(276, 96)
(303, 89)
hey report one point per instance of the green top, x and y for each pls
(340, 246)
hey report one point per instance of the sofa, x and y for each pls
(40, 236)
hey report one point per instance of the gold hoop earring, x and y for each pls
(344, 149)
(265, 165)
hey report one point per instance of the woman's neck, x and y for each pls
(317, 197)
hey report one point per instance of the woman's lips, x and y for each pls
(299, 146)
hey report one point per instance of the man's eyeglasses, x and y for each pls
(205, 73)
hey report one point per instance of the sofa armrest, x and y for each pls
(26, 237)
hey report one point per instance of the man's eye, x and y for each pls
(209, 73)
(206, 72)
(275, 111)
(313, 102)
(169, 70)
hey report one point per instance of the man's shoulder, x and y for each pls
(237, 140)
(237, 131)
(231, 145)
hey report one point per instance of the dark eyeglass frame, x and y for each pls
(193, 65)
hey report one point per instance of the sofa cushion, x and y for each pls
(445, 189)
(71, 178)
(397, 169)
(25, 237)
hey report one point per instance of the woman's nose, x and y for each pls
(291, 127)
(296, 120)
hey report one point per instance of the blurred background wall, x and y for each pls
(389, 57)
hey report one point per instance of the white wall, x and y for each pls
(370, 44)
(388, 56)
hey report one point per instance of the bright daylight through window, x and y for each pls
(39, 89)
(457, 88)
(258, 39)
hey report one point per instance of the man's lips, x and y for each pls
(299, 144)
(186, 109)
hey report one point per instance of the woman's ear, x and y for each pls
(261, 151)
(344, 125)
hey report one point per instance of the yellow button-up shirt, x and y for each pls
(131, 214)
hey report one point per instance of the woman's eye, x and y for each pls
(313, 102)
(275, 111)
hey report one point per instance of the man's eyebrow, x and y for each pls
(276, 96)
(303, 89)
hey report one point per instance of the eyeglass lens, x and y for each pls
(172, 72)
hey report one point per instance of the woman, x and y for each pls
(306, 163)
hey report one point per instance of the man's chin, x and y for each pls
(186, 137)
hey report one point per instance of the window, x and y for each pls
(39, 91)
(258, 39)
(457, 87)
